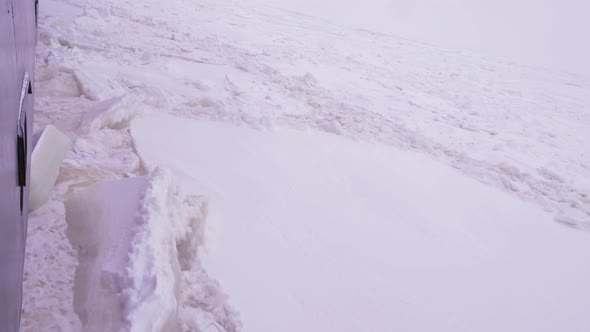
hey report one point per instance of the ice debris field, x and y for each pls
(238, 167)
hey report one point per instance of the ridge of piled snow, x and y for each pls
(137, 241)
(130, 261)
(111, 113)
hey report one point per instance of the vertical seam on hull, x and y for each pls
(14, 32)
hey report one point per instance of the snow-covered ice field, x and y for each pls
(240, 167)
(316, 233)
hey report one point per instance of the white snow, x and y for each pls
(137, 239)
(519, 128)
(132, 256)
(317, 233)
(549, 33)
(354, 180)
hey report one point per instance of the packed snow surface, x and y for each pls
(230, 157)
(316, 233)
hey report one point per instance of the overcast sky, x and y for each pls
(553, 33)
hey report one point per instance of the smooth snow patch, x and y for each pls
(319, 233)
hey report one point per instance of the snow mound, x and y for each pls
(138, 267)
